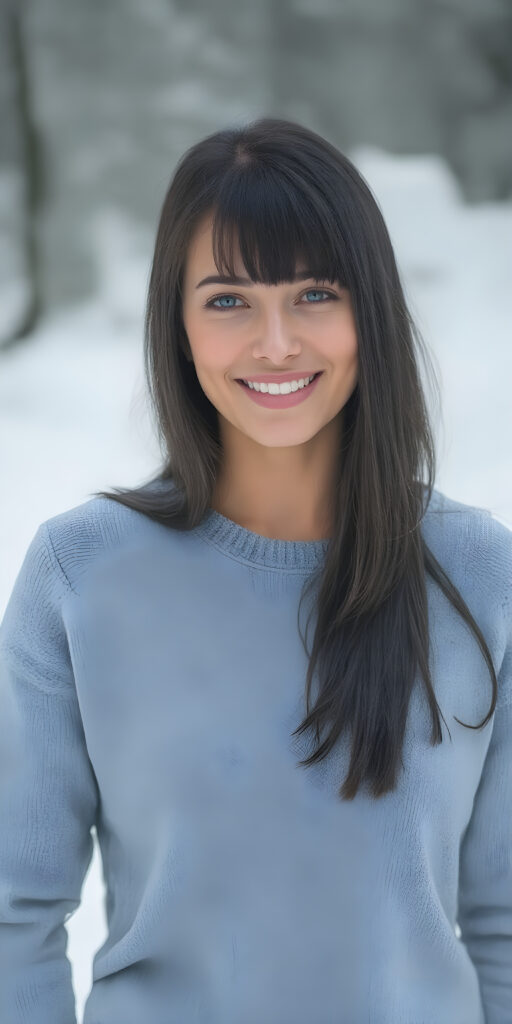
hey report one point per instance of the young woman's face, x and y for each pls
(245, 330)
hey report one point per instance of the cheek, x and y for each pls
(206, 345)
(210, 336)
(340, 345)
(214, 361)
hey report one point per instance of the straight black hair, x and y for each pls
(285, 193)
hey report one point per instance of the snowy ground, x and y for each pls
(73, 415)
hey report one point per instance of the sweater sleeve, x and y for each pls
(48, 796)
(485, 878)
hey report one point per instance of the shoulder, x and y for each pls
(442, 503)
(62, 550)
(474, 547)
(79, 536)
(472, 536)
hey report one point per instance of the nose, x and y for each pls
(277, 338)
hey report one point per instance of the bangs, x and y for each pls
(278, 225)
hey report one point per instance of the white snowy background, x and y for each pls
(74, 418)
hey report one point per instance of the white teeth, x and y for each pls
(281, 389)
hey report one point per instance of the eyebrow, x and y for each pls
(304, 275)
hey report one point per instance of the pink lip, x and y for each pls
(280, 401)
(280, 378)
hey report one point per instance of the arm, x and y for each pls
(48, 796)
(485, 880)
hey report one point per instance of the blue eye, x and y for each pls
(311, 291)
(218, 298)
(318, 291)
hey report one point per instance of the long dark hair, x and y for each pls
(286, 193)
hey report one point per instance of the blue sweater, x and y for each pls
(150, 682)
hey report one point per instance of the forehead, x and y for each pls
(200, 260)
(200, 247)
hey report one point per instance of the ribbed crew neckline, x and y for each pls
(247, 546)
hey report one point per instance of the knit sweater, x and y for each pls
(150, 682)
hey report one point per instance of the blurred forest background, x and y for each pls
(97, 103)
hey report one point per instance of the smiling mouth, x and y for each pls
(240, 381)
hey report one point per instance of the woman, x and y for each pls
(288, 835)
